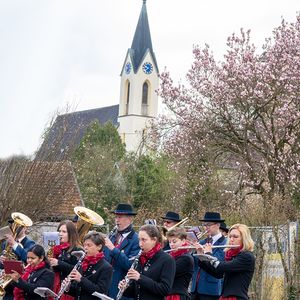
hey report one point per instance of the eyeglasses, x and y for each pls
(167, 221)
(208, 224)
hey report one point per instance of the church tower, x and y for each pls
(139, 81)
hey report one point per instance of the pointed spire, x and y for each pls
(142, 38)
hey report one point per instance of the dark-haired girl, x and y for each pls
(63, 261)
(154, 275)
(95, 273)
(37, 274)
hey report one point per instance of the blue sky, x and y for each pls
(59, 53)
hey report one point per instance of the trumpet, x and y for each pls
(195, 248)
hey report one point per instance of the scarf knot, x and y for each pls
(57, 249)
(232, 252)
(91, 260)
(145, 256)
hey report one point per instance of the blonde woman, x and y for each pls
(238, 267)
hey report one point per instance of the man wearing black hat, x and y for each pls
(121, 245)
(169, 220)
(205, 286)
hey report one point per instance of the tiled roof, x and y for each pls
(41, 190)
(68, 129)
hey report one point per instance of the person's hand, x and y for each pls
(53, 262)
(109, 244)
(75, 275)
(122, 284)
(133, 274)
(10, 239)
(198, 247)
(208, 248)
(2, 258)
(14, 276)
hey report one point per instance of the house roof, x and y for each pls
(68, 129)
(41, 190)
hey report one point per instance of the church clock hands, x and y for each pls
(147, 68)
(128, 68)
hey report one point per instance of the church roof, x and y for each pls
(142, 40)
(68, 130)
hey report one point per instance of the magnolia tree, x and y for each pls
(241, 114)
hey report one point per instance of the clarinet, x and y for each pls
(127, 280)
(65, 287)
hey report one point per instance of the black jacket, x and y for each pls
(183, 275)
(40, 278)
(237, 273)
(97, 278)
(156, 279)
(66, 262)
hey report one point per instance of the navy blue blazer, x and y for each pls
(208, 284)
(119, 259)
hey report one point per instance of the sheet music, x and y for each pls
(101, 296)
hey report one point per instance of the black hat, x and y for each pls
(170, 215)
(212, 217)
(223, 226)
(124, 209)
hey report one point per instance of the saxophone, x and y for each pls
(127, 280)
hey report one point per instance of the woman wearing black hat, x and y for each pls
(154, 275)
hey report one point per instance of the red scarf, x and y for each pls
(148, 255)
(91, 260)
(173, 297)
(57, 250)
(179, 252)
(229, 254)
(228, 298)
(19, 293)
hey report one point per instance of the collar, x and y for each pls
(216, 237)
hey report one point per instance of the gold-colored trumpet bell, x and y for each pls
(21, 219)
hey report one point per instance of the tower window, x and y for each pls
(127, 98)
(145, 99)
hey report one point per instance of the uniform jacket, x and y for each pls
(97, 278)
(40, 278)
(156, 280)
(66, 262)
(119, 259)
(208, 284)
(238, 274)
(183, 275)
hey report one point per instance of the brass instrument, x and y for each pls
(20, 221)
(87, 219)
(164, 230)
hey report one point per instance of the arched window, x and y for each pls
(145, 99)
(127, 97)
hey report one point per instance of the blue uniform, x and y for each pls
(119, 259)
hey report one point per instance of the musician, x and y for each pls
(223, 228)
(96, 273)
(184, 264)
(169, 220)
(63, 262)
(20, 246)
(37, 274)
(238, 267)
(205, 286)
(154, 275)
(121, 245)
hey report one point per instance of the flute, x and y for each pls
(195, 248)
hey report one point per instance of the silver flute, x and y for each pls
(127, 280)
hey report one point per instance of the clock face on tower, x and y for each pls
(147, 68)
(128, 68)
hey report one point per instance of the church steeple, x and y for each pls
(141, 42)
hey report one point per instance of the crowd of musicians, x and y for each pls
(144, 265)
